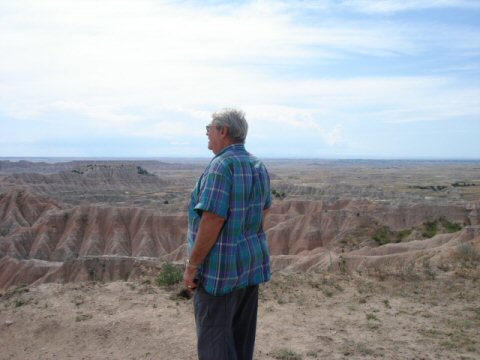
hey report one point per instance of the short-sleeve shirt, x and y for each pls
(235, 186)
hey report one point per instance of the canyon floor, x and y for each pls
(301, 316)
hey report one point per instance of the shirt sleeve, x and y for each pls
(215, 195)
(268, 201)
(268, 191)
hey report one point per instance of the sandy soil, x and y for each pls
(301, 316)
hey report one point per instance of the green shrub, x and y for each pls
(427, 267)
(477, 312)
(285, 354)
(402, 234)
(169, 275)
(142, 171)
(468, 255)
(431, 228)
(278, 195)
(383, 235)
(450, 227)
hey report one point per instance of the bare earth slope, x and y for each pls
(301, 316)
(297, 226)
(80, 243)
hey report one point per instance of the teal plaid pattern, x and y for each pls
(236, 186)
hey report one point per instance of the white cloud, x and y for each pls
(334, 137)
(168, 130)
(181, 143)
(389, 6)
(62, 44)
(278, 121)
(157, 69)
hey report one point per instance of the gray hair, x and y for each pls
(234, 120)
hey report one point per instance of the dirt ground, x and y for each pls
(301, 316)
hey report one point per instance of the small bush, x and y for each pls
(278, 195)
(387, 304)
(468, 255)
(383, 235)
(450, 227)
(402, 234)
(477, 312)
(285, 354)
(427, 267)
(431, 229)
(142, 171)
(169, 275)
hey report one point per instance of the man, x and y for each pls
(228, 252)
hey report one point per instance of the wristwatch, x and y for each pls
(190, 264)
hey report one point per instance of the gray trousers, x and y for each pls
(226, 324)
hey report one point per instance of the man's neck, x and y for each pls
(225, 143)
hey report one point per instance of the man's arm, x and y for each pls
(265, 213)
(210, 226)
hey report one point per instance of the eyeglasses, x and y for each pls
(209, 127)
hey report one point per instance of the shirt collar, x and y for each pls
(232, 147)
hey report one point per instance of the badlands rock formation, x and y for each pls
(147, 183)
(45, 241)
(307, 236)
(298, 226)
(8, 167)
(89, 178)
(42, 240)
(107, 220)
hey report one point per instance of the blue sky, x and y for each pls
(326, 79)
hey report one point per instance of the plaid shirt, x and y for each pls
(236, 186)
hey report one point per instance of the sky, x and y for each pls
(316, 79)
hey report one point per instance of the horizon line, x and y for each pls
(286, 158)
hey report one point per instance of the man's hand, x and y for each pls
(189, 277)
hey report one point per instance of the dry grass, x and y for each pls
(301, 316)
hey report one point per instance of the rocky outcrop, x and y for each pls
(43, 240)
(102, 268)
(114, 184)
(8, 167)
(60, 233)
(21, 209)
(440, 253)
(295, 227)
(85, 177)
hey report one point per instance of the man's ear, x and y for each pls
(224, 131)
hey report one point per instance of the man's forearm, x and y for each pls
(208, 231)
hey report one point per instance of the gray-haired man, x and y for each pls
(228, 252)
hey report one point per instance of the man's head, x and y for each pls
(228, 127)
